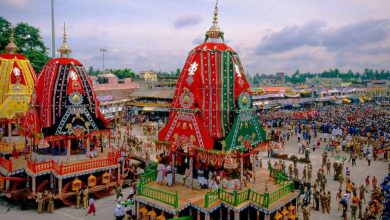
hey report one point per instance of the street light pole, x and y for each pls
(103, 51)
(53, 44)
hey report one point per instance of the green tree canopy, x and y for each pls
(4, 33)
(28, 40)
(124, 73)
(349, 76)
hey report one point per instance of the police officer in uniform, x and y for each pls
(78, 199)
(50, 205)
(40, 202)
(85, 198)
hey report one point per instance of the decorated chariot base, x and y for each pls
(269, 195)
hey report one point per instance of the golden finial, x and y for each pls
(64, 49)
(11, 47)
(214, 32)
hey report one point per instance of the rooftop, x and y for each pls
(155, 93)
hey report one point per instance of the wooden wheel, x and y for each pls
(68, 196)
(16, 185)
(45, 185)
(18, 189)
(105, 189)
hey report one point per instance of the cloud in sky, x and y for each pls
(317, 33)
(14, 3)
(187, 21)
(270, 36)
(315, 46)
(291, 37)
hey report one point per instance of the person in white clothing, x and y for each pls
(169, 175)
(201, 179)
(160, 173)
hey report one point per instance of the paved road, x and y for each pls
(105, 206)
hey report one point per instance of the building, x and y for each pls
(379, 89)
(277, 79)
(113, 94)
(323, 82)
(148, 76)
(152, 103)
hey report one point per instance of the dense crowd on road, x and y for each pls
(357, 128)
(361, 131)
(357, 119)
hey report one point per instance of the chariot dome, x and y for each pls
(211, 91)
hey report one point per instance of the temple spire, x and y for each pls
(11, 47)
(214, 34)
(215, 19)
(64, 49)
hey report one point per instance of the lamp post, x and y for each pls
(103, 51)
(53, 46)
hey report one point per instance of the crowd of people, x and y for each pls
(361, 119)
(360, 131)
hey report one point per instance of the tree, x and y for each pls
(256, 79)
(28, 40)
(4, 33)
(92, 72)
(124, 73)
(178, 71)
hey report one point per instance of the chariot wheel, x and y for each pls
(45, 185)
(18, 189)
(68, 196)
(105, 191)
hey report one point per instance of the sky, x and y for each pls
(269, 35)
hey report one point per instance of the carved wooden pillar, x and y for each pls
(59, 186)
(191, 171)
(68, 147)
(254, 168)
(88, 145)
(173, 168)
(137, 209)
(34, 185)
(236, 215)
(51, 182)
(7, 185)
(241, 171)
(207, 216)
(9, 129)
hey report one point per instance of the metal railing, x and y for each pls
(279, 193)
(62, 169)
(159, 195)
(236, 198)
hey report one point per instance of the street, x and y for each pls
(105, 207)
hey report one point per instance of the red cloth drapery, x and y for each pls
(204, 103)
